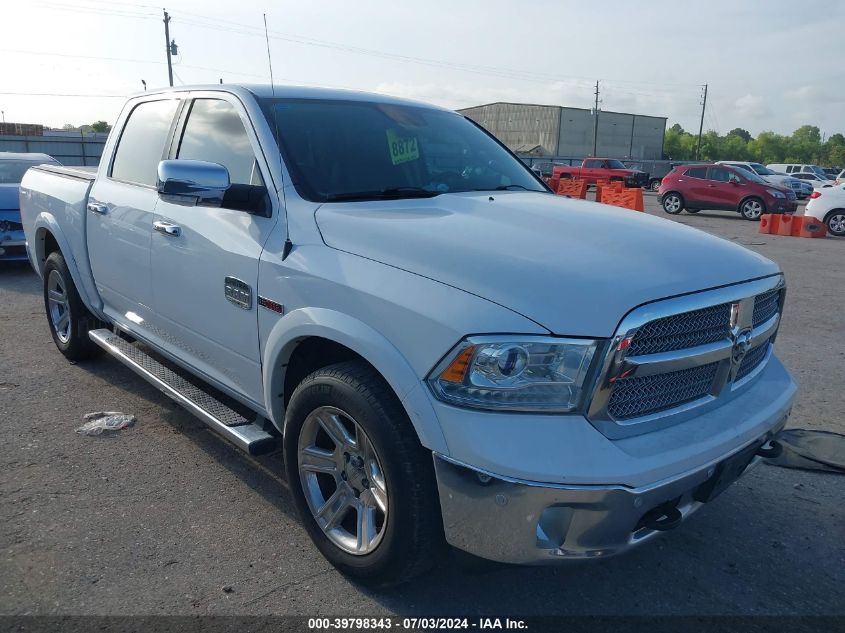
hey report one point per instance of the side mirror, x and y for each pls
(192, 182)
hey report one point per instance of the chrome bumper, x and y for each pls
(524, 522)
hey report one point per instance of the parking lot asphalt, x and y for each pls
(160, 518)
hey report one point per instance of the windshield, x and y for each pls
(762, 171)
(353, 150)
(615, 164)
(750, 175)
(12, 171)
(819, 172)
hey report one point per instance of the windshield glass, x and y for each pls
(355, 150)
(615, 164)
(819, 172)
(12, 171)
(762, 171)
(750, 175)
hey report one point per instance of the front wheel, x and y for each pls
(363, 484)
(752, 209)
(693, 210)
(69, 319)
(673, 204)
(836, 223)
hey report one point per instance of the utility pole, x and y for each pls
(596, 121)
(701, 125)
(167, 47)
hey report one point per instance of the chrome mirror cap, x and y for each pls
(192, 182)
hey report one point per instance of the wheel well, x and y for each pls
(310, 355)
(831, 212)
(50, 246)
(747, 198)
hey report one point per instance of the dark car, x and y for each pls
(12, 169)
(697, 187)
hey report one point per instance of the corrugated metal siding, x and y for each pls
(68, 150)
(518, 125)
(620, 135)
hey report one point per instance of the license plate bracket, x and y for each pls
(727, 472)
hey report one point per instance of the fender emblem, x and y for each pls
(264, 302)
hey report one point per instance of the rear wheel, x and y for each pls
(654, 185)
(836, 222)
(69, 319)
(363, 484)
(693, 210)
(752, 208)
(673, 204)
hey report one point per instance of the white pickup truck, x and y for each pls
(443, 349)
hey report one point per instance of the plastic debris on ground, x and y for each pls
(810, 450)
(100, 422)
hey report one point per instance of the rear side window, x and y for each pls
(697, 172)
(593, 164)
(215, 133)
(141, 144)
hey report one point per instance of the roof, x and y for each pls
(298, 92)
(559, 107)
(29, 157)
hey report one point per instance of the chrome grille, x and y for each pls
(765, 307)
(635, 397)
(752, 360)
(682, 331)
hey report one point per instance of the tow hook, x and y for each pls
(774, 449)
(662, 518)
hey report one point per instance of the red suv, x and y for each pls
(697, 187)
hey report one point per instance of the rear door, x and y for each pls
(120, 211)
(205, 278)
(696, 190)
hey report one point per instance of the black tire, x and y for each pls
(654, 185)
(412, 531)
(673, 203)
(688, 210)
(835, 222)
(752, 208)
(68, 318)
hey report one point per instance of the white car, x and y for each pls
(815, 180)
(800, 171)
(773, 177)
(828, 205)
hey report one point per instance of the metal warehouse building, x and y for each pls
(543, 130)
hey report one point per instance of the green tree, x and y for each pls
(745, 135)
(100, 126)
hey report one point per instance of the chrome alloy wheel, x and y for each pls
(342, 480)
(836, 224)
(58, 305)
(672, 203)
(752, 209)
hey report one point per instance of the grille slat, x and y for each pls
(752, 360)
(765, 306)
(638, 396)
(682, 331)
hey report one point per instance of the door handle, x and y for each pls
(98, 207)
(167, 228)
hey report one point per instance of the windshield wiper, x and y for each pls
(390, 193)
(507, 188)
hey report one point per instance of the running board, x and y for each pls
(243, 433)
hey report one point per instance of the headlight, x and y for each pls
(775, 194)
(515, 373)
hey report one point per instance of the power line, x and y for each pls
(61, 94)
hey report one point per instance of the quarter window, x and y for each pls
(141, 144)
(215, 133)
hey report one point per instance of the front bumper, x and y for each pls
(13, 246)
(529, 523)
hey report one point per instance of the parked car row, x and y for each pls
(813, 174)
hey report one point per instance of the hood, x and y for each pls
(9, 196)
(575, 267)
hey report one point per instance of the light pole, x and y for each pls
(4, 115)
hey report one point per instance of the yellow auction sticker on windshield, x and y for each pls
(402, 148)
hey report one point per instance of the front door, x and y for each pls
(120, 213)
(727, 188)
(205, 277)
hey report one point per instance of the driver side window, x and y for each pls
(214, 132)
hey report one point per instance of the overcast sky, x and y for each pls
(770, 64)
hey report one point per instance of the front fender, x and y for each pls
(363, 340)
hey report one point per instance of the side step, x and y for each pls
(230, 424)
